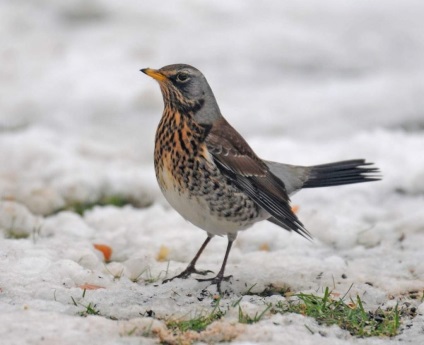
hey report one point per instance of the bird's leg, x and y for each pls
(220, 276)
(191, 266)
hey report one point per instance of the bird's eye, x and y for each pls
(182, 77)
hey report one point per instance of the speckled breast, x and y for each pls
(191, 182)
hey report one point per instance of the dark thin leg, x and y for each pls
(191, 266)
(220, 276)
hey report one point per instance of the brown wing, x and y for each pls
(237, 161)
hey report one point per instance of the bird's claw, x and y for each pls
(186, 273)
(216, 281)
(203, 273)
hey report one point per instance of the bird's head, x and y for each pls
(184, 88)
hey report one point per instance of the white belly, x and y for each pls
(195, 209)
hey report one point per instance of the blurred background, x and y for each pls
(304, 81)
(299, 71)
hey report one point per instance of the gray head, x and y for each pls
(185, 89)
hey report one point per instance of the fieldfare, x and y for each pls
(211, 176)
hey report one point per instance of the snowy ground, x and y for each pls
(306, 82)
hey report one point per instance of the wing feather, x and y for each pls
(237, 161)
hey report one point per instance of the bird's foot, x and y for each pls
(186, 273)
(216, 281)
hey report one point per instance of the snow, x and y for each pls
(305, 82)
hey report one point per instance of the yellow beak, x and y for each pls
(154, 73)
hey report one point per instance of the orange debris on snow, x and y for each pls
(105, 249)
(162, 254)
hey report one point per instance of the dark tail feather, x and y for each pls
(345, 172)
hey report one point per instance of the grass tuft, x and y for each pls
(90, 309)
(247, 319)
(15, 234)
(81, 207)
(14, 231)
(270, 290)
(148, 278)
(199, 322)
(349, 316)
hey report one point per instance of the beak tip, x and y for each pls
(155, 74)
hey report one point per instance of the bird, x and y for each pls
(212, 177)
